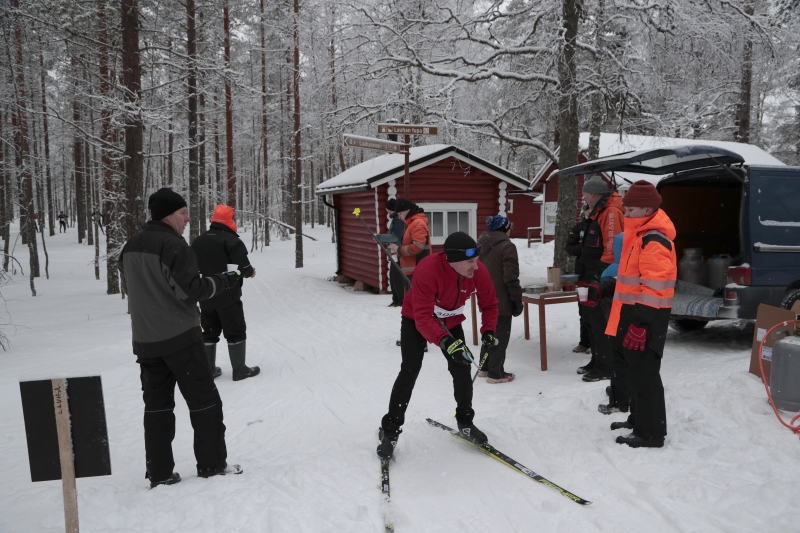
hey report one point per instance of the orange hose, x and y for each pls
(791, 425)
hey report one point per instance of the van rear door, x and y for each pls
(774, 225)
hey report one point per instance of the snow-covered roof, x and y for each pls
(379, 170)
(613, 144)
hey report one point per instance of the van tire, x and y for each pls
(684, 325)
(790, 298)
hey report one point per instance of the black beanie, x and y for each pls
(391, 204)
(403, 204)
(455, 246)
(164, 202)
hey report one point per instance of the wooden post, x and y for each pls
(67, 457)
(406, 184)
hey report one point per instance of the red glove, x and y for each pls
(635, 338)
(593, 297)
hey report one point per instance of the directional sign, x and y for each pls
(408, 129)
(375, 144)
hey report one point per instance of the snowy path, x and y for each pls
(305, 429)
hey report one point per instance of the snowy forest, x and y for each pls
(246, 102)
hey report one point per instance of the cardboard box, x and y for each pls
(767, 317)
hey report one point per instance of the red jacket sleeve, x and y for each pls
(487, 299)
(424, 301)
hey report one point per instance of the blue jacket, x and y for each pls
(611, 271)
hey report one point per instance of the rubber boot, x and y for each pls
(240, 370)
(211, 354)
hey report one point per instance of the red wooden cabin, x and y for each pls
(457, 189)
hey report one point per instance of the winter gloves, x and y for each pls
(488, 339)
(516, 308)
(455, 350)
(230, 279)
(636, 338)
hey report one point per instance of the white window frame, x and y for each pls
(471, 208)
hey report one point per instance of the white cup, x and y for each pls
(549, 287)
(583, 293)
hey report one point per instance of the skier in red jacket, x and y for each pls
(443, 282)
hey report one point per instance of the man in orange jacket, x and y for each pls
(640, 312)
(416, 243)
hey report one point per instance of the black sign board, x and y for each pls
(88, 423)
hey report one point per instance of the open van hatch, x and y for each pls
(703, 198)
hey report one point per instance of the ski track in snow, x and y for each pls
(328, 361)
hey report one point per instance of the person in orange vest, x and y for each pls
(640, 312)
(416, 243)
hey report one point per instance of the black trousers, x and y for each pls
(620, 385)
(189, 369)
(398, 285)
(586, 337)
(229, 321)
(646, 393)
(495, 362)
(601, 347)
(62, 225)
(412, 348)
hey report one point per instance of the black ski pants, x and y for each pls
(228, 321)
(495, 362)
(397, 284)
(412, 348)
(189, 369)
(586, 338)
(601, 347)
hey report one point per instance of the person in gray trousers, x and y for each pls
(159, 274)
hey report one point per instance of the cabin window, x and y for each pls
(444, 219)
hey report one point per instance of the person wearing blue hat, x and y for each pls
(499, 255)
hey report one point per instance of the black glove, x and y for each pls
(230, 279)
(488, 339)
(516, 308)
(455, 350)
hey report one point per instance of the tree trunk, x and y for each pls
(298, 162)
(191, 81)
(231, 173)
(134, 127)
(264, 145)
(22, 148)
(742, 134)
(46, 131)
(568, 132)
(110, 189)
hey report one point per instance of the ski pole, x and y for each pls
(357, 213)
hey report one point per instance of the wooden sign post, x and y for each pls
(407, 130)
(369, 143)
(65, 428)
(66, 455)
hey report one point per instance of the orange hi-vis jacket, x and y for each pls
(611, 220)
(416, 243)
(648, 268)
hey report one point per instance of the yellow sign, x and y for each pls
(357, 211)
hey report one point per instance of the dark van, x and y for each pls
(722, 206)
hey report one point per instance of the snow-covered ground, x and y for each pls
(305, 429)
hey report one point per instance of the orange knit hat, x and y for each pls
(223, 214)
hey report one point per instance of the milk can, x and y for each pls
(692, 268)
(718, 271)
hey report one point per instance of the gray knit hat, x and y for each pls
(595, 185)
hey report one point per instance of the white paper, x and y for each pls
(760, 334)
(766, 353)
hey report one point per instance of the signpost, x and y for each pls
(404, 148)
(65, 427)
(375, 144)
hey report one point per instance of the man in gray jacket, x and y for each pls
(499, 255)
(159, 274)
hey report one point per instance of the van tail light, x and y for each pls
(740, 275)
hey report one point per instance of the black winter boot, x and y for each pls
(472, 434)
(171, 480)
(223, 470)
(388, 442)
(635, 441)
(211, 354)
(621, 425)
(237, 353)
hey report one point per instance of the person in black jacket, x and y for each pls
(397, 228)
(215, 249)
(159, 274)
(574, 247)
